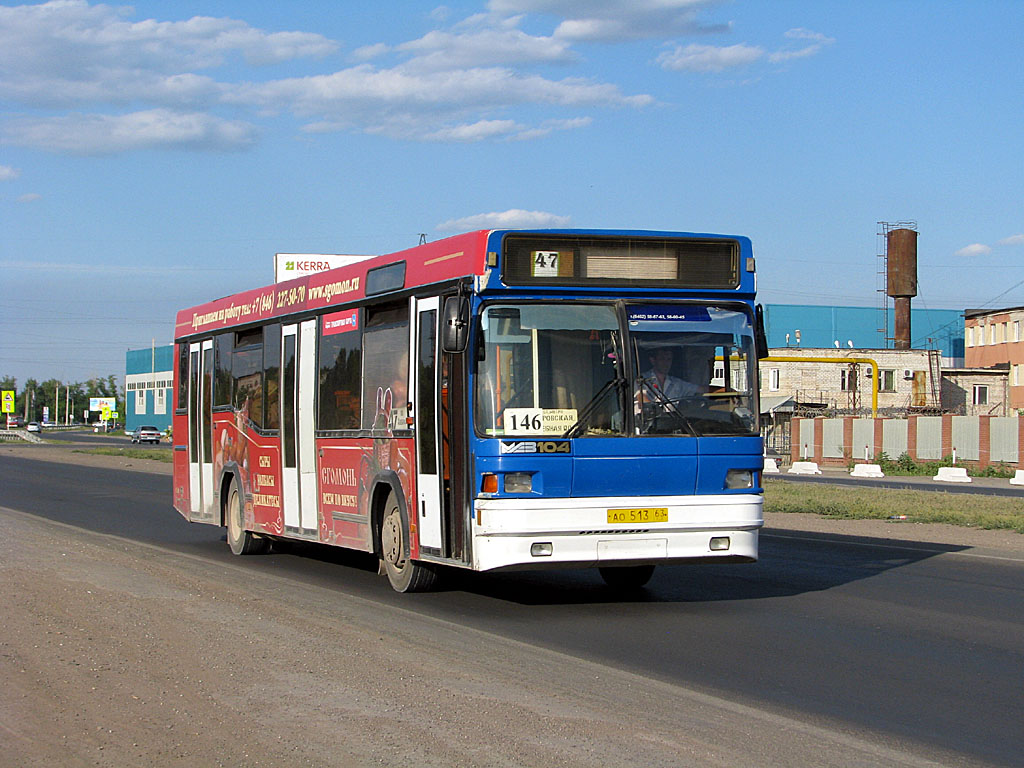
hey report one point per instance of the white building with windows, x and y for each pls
(841, 379)
(148, 380)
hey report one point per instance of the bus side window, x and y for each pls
(385, 367)
(340, 379)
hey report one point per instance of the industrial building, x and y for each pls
(790, 326)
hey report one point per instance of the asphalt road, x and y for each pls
(89, 438)
(920, 644)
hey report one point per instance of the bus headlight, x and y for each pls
(518, 482)
(739, 478)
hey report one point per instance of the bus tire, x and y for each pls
(627, 576)
(405, 574)
(241, 541)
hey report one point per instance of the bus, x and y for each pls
(496, 400)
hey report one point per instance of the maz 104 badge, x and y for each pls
(552, 263)
(536, 446)
(538, 421)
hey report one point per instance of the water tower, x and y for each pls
(901, 280)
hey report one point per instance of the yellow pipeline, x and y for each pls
(837, 361)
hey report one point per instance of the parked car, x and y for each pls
(32, 426)
(13, 422)
(146, 435)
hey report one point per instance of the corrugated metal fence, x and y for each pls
(978, 439)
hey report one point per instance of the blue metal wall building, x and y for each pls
(149, 377)
(823, 326)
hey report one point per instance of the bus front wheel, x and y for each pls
(627, 576)
(241, 541)
(405, 574)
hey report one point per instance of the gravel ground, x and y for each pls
(114, 653)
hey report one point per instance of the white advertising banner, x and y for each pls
(288, 266)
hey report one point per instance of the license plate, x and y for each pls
(645, 515)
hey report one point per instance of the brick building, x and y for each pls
(994, 340)
(841, 379)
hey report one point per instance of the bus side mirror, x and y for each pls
(455, 324)
(760, 339)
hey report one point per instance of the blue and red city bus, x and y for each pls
(492, 401)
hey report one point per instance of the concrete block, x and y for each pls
(1018, 477)
(952, 475)
(867, 470)
(804, 468)
(771, 467)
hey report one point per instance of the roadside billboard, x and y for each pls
(99, 403)
(288, 266)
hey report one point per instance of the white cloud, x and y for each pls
(71, 38)
(104, 134)
(463, 83)
(514, 218)
(709, 58)
(8, 174)
(1012, 240)
(819, 41)
(483, 129)
(30, 197)
(406, 103)
(617, 20)
(370, 52)
(975, 249)
(485, 47)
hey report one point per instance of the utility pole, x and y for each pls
(56, 405)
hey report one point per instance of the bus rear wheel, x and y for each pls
(405, 574)
(241, 541)
(627, 576)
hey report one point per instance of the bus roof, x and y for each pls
(436, 262)
(440, 261)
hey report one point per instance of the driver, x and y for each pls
(657, 377)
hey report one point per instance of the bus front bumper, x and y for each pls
(522, 533)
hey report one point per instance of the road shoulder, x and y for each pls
(121, 654)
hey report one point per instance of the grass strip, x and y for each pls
(845, 502)
(166, 457)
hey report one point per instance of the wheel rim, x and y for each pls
(391, 540)
(234, 524)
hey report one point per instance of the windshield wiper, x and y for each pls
(585, 413)
(670, 405)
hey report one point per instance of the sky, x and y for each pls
(155, 156)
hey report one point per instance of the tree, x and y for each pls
(29, 397)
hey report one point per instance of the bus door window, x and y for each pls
(288, 398)
(455, 457)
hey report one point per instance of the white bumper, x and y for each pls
(505, 530)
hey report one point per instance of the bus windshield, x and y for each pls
(565, 370)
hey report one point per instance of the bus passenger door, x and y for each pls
(426, 398)
(200, 432)
(298, 448)
(305, 426)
